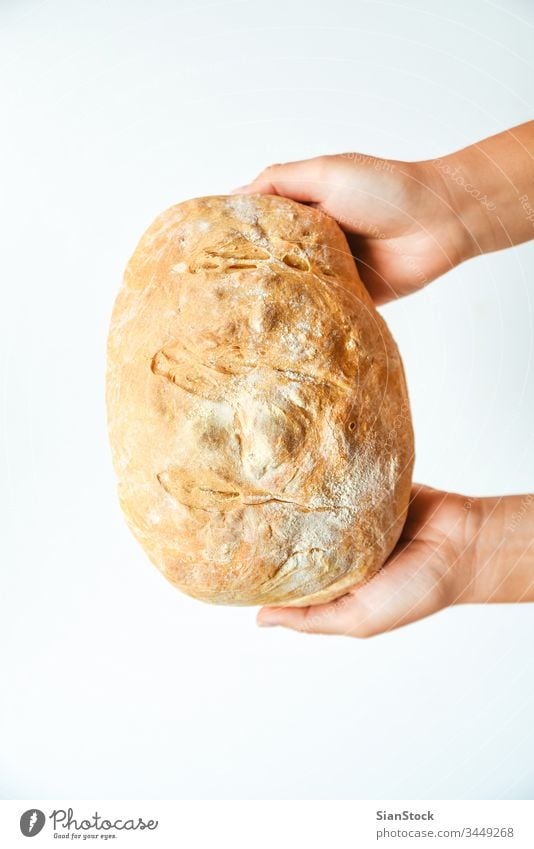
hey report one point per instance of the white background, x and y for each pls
(114, 684)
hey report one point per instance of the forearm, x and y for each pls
(489, 188)
(501, 550)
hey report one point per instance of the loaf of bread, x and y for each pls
(258, 413)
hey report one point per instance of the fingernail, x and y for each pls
(240, 189)
(262, 623)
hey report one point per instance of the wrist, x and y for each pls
(486, 189)
(480, 567)
(498, 561)
(465, 206)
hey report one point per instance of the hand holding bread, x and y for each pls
(258, 412)
(407, 223)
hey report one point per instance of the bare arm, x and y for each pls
(490, 186)
(503, 568)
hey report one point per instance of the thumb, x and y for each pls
(308, 180)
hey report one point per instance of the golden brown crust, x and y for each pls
(258, 412)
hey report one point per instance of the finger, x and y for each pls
(306, 180)
(409, 587)
(426, 507)
(330, 618)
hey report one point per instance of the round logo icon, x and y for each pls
(31, 822)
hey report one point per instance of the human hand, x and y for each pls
(452, 550)
(400, 229)
(409, 222)
(427, 571)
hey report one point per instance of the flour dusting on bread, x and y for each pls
(257, 406)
